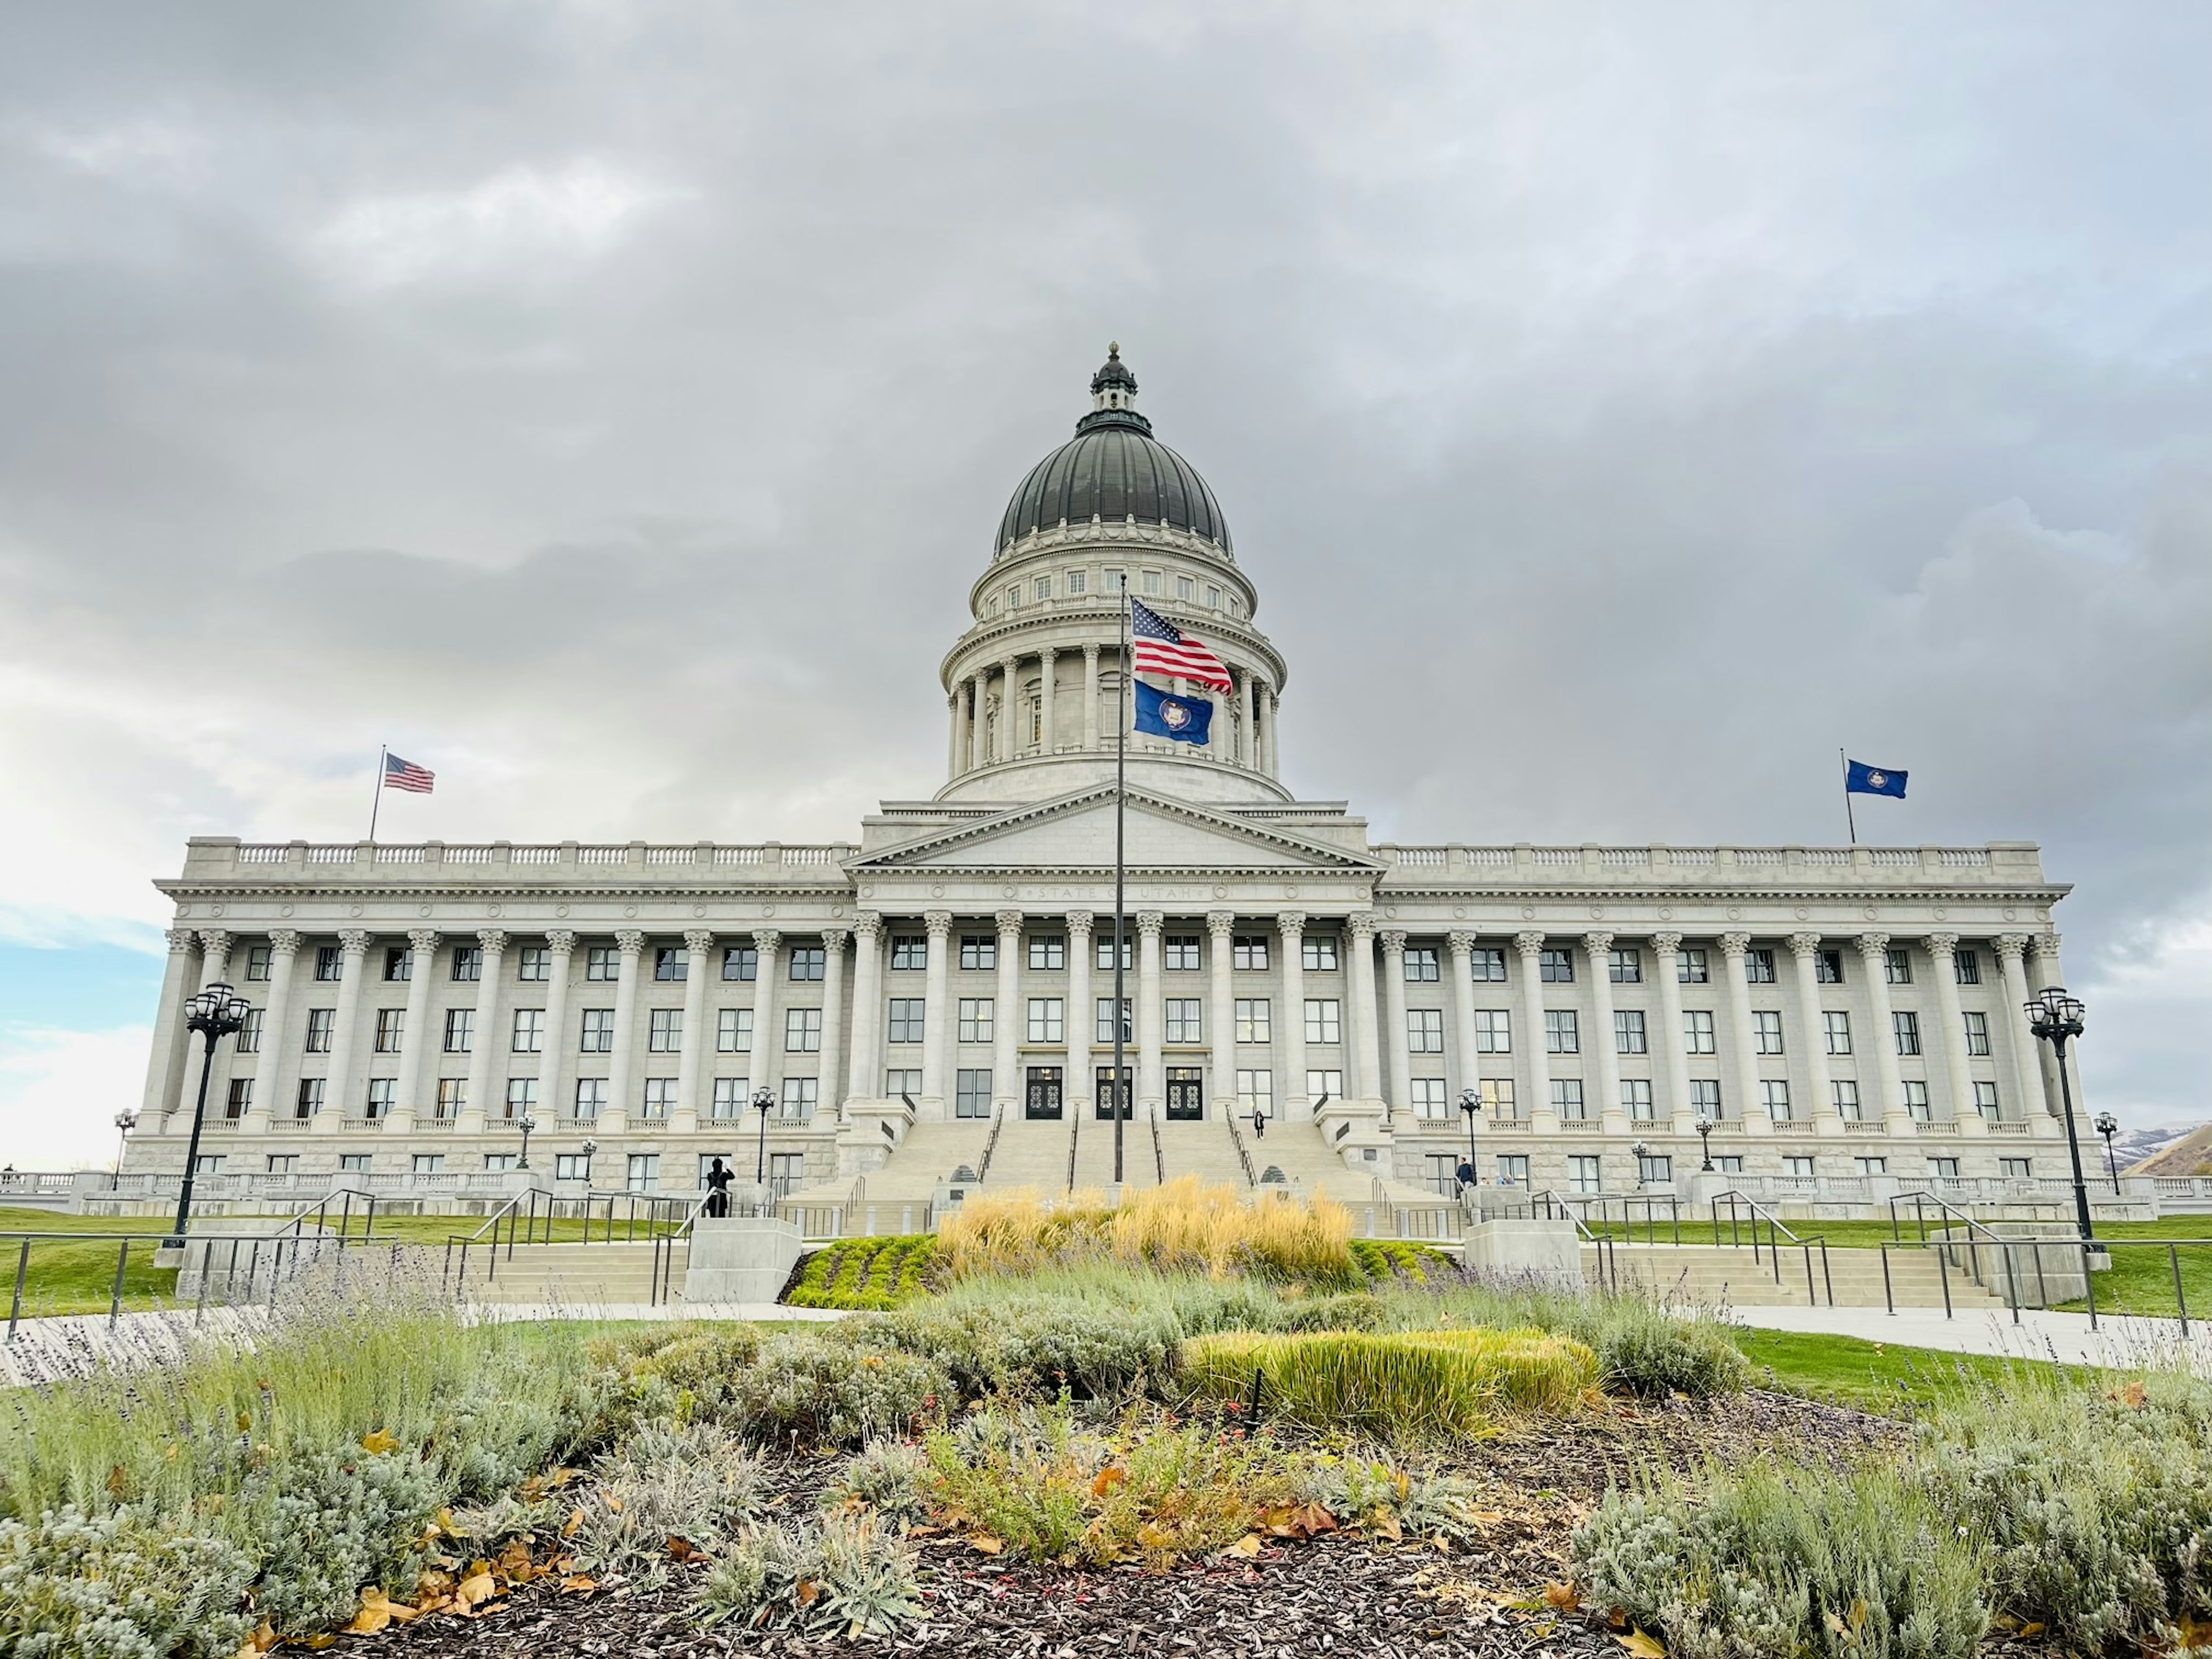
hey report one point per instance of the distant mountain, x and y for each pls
(2178, 1149)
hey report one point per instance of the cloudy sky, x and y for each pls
(1621, 408)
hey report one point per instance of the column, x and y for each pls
(1397, 1053)
(1889, 1078)
(214, 965)
(1008, 1013)
(979, 744)
(276, 1072)
(1666, 962)
(1365, 1082)
(165, 1068)
(414, 1038)
(337, 1087)
(1221, 1009)
(1290, 1018)
(1813, 1047)
(935, 1015)
(1048, 738)
(864, 1081)
(1734, 947)
(553, 1057)
(1090, 720)
(1247, 755)
(484, 1041)
(215, 957)
(763, 1066)
(1270, 755)
(1597, 951)
(1538, 1071)
(1152, 1072)
(1009, 745)
(1082, 1016)
(1943, 953)
(2045, 948)
(1462, 976)
(623, 1064)
(691, 1059)
(2026, 1063)
(956, 759)
(831, 1068)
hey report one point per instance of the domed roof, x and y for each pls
(1114, 468)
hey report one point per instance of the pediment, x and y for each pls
(1076, 833)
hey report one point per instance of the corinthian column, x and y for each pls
(2043, 947)
(956, 755)
(1049, 659)
(1530, 945)
(277, 1069)
(1270, 759)
(863, 1078)
(1246, 754)
(691, 1059)
(1735, 947)
(337, 1090)
(2026, 1063)
(1397, 1050)
(1009, 743)
(165, 1068)
(1221, 1009)
(1597, 951)
(1366, 1080)
(1463, 973)
(1081, 1025)
(831, 1067)
(934, 1013)
(1152, 1072)
(768, 1041)
(484, 1042)
(622, 1065)
(1889, 1076)
(1812, 1069)
(553, 1054)
(1006, 1035)
(414, 1038)
(979, 745)
(1290, 1022)
(1666, 962)
(1090, 720)
(1950, 1018)
(214, 966)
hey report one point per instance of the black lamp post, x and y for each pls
(590, 1146)
(1706, 1136)
(1643, 1151)
(763, 1103)
(2108, 1125)
(1470, 1102)
(525, 1123)
(215, 1013)
(125, 1122)
(2055, 1017)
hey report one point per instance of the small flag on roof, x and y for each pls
(406, 774)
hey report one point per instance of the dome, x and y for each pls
(1114, 469)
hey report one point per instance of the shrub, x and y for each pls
(845, 1573)
(1395, 1383)
(1041, 1345)
(885, 1476)
(867, 1274)
(1359, 1311)
(1642, 1348)
(1381, 1261)
(693, 1375)
(334, 1520)
(1371, 1489)
(696, 1483)
(810, 1391)
(113, 1586)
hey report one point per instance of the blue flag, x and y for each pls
(1180, 720)
(1860, 779)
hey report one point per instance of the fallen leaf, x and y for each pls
(382, 1441)
(808, 1592)
(475, 1589)
(264, 1639)
(614, 1503)
(577, 1583)
(568, 1528)
(1247, 1545)
(683, 1549)
(1111, 1476)
(321, 1639)
(561, 1477)
(984, 1544)
(370, 1621)
(1643, 1646)
(2199, 1636)
(1565, 1597)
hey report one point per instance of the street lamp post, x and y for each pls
(1471, 1102)
(125, 1122)
(2108, 1125)
(525, 1123)
(215, 1013)
(590, 1146)
(1643, 1151)
(1706, 1136)
(763, 1103)
(2055, 1017)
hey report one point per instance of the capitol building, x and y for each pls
(931, 1004)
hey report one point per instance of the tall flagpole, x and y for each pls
(376, 804)
(1850, 818)
(1121, 1094)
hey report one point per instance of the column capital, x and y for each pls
(1360, 924)
(1221, 924)
(423, 941)
(868, 927)
(2010, 947)
(284, 941)
(1010, 924)
(1091, 654)
(215, 942)
(630, 941)
(1733, 945)
(2045, 945)
(765, 939)
(182, 939)
(1047, 653)
(1290, 924)
(1666, 944)
(1942, 945)
(1150, 923)
(561, 941)
(1597, 945)
(354, 941)
(493, 940)
(1393, 941)
(833, 940)
(1461, 943)
(1009, 667)
(1079, 922)
(940, 924)
(699, 941)
(1803, 944)
(1872, 945)
(1529, 942)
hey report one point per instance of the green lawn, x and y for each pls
(1876, 1375)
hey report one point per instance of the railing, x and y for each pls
(991, 1145)
(1074, 1138)
(1159, 1153)
(1741, 1208)
(664, 1255)
(1552, 1206)
(1243, 1153)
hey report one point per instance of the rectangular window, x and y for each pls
(330, 963)
(741, 963)
(1556, 967)
(1428, 1100)
(1184, 1022)
(1562, 1035)
(1424, 1030)
(1706, 1096)
(1497, 1098)
(1186, 588)
(664, 1033)
(1117, 581)
(460, 1030)
(1105, 1027)
(1255, 1090)
(1966, 967)
(1774, 1095)
(672, 962)
(239, 1099)
(1421, 965)
(1897, 966)
(1248, 953)
(733, 1031)
(1690, 967)
(901, 1080)
(468, 964)
(1728, 1163)
(728, 1099)
(1319, 955)
(427, 1163)
(1079, 583)
(1846, 1094)
(533, 965)
(1487, 966)
(1043, 589)
(978, 951)
(1985, 1100)
(522, 1096)
(1837, 1025)
(1105, 948)
(319, 1023)
(1328, 1081)
(971, 1092)
(1047, 1020)
(1636, 1098)
(1658, 1170)
(572, 1166)
(1905, 1027)
(801, 1094)
(1872, 1166)
(909, 952)
(591, 1097)
(1567, 1104)
(1048, 952)
(1624, 967)
(1493, 1031)
(1797, 1167)
(1916, 1100)
(249, 1035)
(976, 1019)
(660, 1098)
(391, 1026)
(1943, 1168)
(354, 1161)
(808, 965)
(1697, 1032)
(1182, 953)
(1628, 1034)
(398, 965)
(1014, 597)
(309, 1099)
(1767, 1031)
(598, 1031)
(906, 1019)
(453, 1096)
(256, 963)
(1583, 1174)
(602, 963)
(641, 1172)
(2017, 1169)
(1513, 1169)
(1254, 1019)
(529, 1031)
(1324, 1021)
(1978, 1034)
(1212, 598)
(1828, 968)
(1152, 582)
(802, 1030)
(1759, 966)
(498, 1163)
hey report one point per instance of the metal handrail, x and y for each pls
(319, 1213)
(1243, 1153)
(1074, 1139)
(1159, 1153)
(1777, 1231)
(1609, 1260)
(991, 1144)
(1976, 1230)
(664, 1253)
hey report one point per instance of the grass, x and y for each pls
(1400, 1383)
(873, 1274)
(1873, 1376)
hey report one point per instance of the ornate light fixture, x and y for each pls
(217, 1012)
(2055, 1016)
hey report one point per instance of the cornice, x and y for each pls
(984, 644)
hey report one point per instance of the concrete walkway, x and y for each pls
(2130, 1343)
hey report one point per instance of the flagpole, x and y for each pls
(1850, 818)
(1121, 800)
(375, 805)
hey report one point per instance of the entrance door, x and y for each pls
(1042, 1098)
(1186, 1091)
(1107, 1093)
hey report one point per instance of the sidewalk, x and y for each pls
(2065, 1337)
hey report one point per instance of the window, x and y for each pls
(529, 1031)
(1766, 1032)
(1487, 966)
(1583, 1173)
(909, 952)
(249, 1035)
(1117, 581)
(330, 963)
(1497, 1096)
(1966, 967)
(256, 963)
(1872, 1166)
(1105, 1027)
(1567, 1099)
(391, 1026)
(1421, 964)
(499, 1161)
(1897, 966)
(522, 1096)
(2017, 1169)
(1837, 1025)
(1152, 582)
(906, 1020)
(1828, 968)
(660, 1098)
(1319, 955)
(1048, 952)
(1774, 1095)
(1985, 1100)
(453, 1096)
(460, 1030)
(1556, 967)
(1978, 1034)
(978, 951)
(1493, 1031)
(1324, 1022)
(741, 962)
(800, 1096)
(1182, 957)
(320, 1022)
(1248, 953)
(399, 966)
(602, 963)
(309, 1100)
(976, 1019)
(1254, 1019)
(1105, 946)
(1428, 1097)
(1690, 967)
(1797, 1166)
(1728, 1163)
(728, 1100)
(354, 1161)
(733, 1031)
(1424, 1030)
(1657, 1170)
(1186, 588)
(1628, 1034)
(1905, 1027)
(1624, 967)
(1706, 1096)
(1759, 966)
(1047, 1020)
(571, 1166)
(591, 1097)
(901, 1080)
(599, 1031)
(1636, 1098)
(663, 1032)
(1079, 583)
(1255, 1090)
(802, 1030)
(1916, 1100)
(1014, 597)
(1562, 1033)
(1327, 1082)
(240, 1100)
(1513, 1169)
(641, 1172)
(1043, 589)
(1846, 1094)
(1212, 598)
(427, 1163)
(468, 962)
(1185, 1024)
(534, 964)
(972, 1093)
(1697, 1032)
(672, 962)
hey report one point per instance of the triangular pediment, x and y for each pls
(1076, 833)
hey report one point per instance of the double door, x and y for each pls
(1186, 1092)
(1041, 1094)
(1108, 1094)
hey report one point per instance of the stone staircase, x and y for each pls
(1709, 1275)
(574, 1275)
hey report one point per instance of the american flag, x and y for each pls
(1163, 648)
(406, 774)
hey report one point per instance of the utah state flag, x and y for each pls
(1180, 720)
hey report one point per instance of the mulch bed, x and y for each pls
(1341, 1593)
